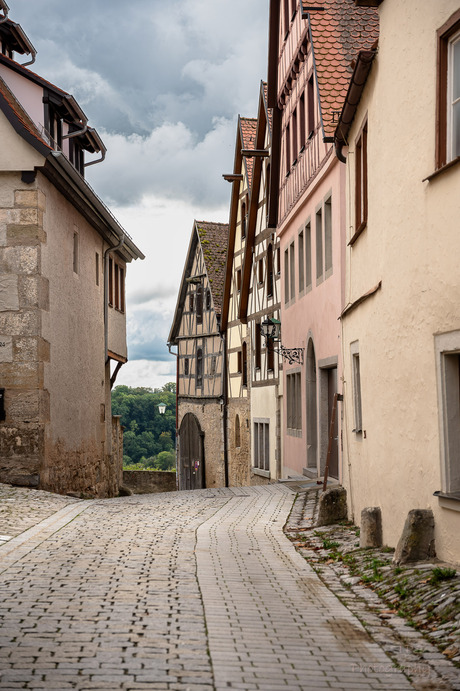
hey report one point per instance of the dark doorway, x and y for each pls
(331, 391)
(191, 461)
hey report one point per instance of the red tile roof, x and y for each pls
(338, 34)
(248, 128)
(269, 110)
(214, 243)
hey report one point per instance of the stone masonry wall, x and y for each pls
(149, 481)
(23, 294)
(209, 415)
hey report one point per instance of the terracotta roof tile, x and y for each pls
(338, 34)
(248, 137)
(214, 243)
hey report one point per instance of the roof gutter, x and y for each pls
(98, 145)
(352, 99)
(27, 43)
(63, 166)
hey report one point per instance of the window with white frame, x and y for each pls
(448, 375)
(356, 377)
(448, 91)
(262, 444)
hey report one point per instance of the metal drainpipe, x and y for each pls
(225, 406)
(106, 294)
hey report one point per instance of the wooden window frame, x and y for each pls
(258, 346)
(361, 181)
(186, 366)
(444, 36)
(199, 368)
(270, 271)
(244, 351)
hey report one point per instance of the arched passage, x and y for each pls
(312, 408)
(191, 457)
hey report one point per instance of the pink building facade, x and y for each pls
(309, 68)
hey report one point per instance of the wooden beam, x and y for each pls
(233, 177)
(250, 153)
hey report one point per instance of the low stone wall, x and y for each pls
(149, 481)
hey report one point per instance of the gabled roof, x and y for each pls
(65, 177)
(213, 239)
(337, 34)
(248, 128)
(263, 123)
(214, 243)
(14, 36)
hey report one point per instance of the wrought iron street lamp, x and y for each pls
(271, 331)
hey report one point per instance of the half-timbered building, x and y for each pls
(201, 449)
(260, 301)
(310, 51)
(237, 333)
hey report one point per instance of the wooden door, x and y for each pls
(331, 391)
(191, 460)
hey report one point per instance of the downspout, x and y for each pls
(106, 295)
(225, 406)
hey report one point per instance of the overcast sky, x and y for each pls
(163, 83)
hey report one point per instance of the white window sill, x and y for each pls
(262, 473)
(448, 501)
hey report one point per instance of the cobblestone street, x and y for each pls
(186, 591)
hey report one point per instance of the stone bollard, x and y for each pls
(371, 527)
(332, 506)
(417, 540)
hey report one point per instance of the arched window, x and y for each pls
(237, 432)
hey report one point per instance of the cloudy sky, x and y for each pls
(163, 83)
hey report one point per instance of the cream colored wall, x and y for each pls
(117, 319)
(411, 244)
(75, 374)
(15, 153)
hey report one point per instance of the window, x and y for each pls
(262, 445)
(328, 236)
(448, 375)
(308, 274)
(294, 135)
(117, 288)
(208, 299)
(186, 366)
(199, 304)
(270, 356)
(110, 281)
(294, 401)
(269, 271)
(121, 272)
(286, 276)
(258, 347)
(237, 432)
(199, 368)
(311, 107)
(238, 280)
(301, 259)
(319, 245)
(448, 92)
(243, 220)
(278, 261)
(302, 121)
(356, 377)
(76, 252)
(245, 364)
(261, 271)
(191, 302)
(292, 270)
(288, 148)
(213, 365)
(239, 367)
(361, 181)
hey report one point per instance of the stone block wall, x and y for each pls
(149, 481)
(239, 443)
(23, 295)
(209, 416)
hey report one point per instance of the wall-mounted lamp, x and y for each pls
(271, 331)
(162, 408)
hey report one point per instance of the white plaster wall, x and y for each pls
(412, 244)
(15, 153)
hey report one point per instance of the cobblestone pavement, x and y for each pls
(190, 591)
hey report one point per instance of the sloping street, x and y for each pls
(181, 591)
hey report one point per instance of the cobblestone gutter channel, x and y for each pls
(418, 605)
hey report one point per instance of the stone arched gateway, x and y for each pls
(191, 454)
